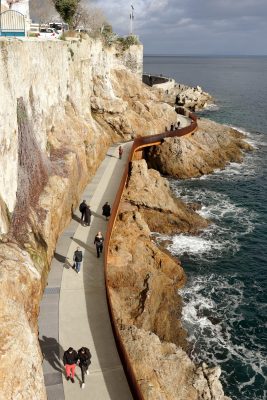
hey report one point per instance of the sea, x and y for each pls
(224, 299)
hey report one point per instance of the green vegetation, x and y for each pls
(128, 41)
(67, 9)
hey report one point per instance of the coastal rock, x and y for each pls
(191, 98)
(212, 146)
(20, 357)
(163, 213)
(143, 282)
(129, 106)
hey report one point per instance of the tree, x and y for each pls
(89, 18)
(67, 10)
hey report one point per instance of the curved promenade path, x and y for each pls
(74, 309)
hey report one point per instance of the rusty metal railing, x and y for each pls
(138, 143)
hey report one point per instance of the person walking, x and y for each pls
(87, 217)
(84, 360)
(82, 208)
(70, 359)
(77, 258)
(120, 152)
(99, 239)
(106, 210)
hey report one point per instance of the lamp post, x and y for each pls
(131, 19)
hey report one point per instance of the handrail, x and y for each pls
(138, 143)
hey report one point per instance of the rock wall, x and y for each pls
(49, 74)
(62, 104)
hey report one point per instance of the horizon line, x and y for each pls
(203, 55)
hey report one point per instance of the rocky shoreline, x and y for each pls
(144, 279)
(64, 140)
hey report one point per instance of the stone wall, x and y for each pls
(46, 74)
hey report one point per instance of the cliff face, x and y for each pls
(144, 280)
(61, 107)
(211, 146)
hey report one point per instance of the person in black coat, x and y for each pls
(84, 360)
(87, 218)
(106, 210)
(99, 240)
(70, 359)
(82, 208)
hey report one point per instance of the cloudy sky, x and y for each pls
(234, 27)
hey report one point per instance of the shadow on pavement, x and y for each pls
(51, 351)
(76, 218)
(90, 249)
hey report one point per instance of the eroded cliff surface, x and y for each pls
(61, 106)
(212, 146)
(144, 280)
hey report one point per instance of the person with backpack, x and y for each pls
(84, 360)
(70, 359)
(82, 208)
(99, 240)
(106, 210)
(77, 258)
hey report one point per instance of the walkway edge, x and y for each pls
(138, 143)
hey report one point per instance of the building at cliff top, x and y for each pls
(13, 22)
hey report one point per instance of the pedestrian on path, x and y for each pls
(120, 152)
(106, 210)
(70, 359)
(87, 217)
(82, 208)
(84, 360)
(77, 258)
(99, 240)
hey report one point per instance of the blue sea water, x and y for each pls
(225, 297)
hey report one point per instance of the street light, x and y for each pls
(131, 19)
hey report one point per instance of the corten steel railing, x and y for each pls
(138, 143)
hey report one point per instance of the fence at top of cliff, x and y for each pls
(139, 143)
(12, 24)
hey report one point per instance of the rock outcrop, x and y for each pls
(211, 146)
(143, 282)
(150, 193)
(54, 134)
(176, 94)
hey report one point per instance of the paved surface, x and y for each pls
(74, 310)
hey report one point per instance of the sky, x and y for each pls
(192, 27)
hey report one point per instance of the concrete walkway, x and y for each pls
(74, 310)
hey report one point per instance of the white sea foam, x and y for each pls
(193, 244)
(212, 107)
(211, 323)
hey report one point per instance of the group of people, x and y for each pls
(86, 213)
(82, 357)
(175, 126)
(71, 358)
(99, 238)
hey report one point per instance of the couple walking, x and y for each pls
(71, 358)
(86, 213)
